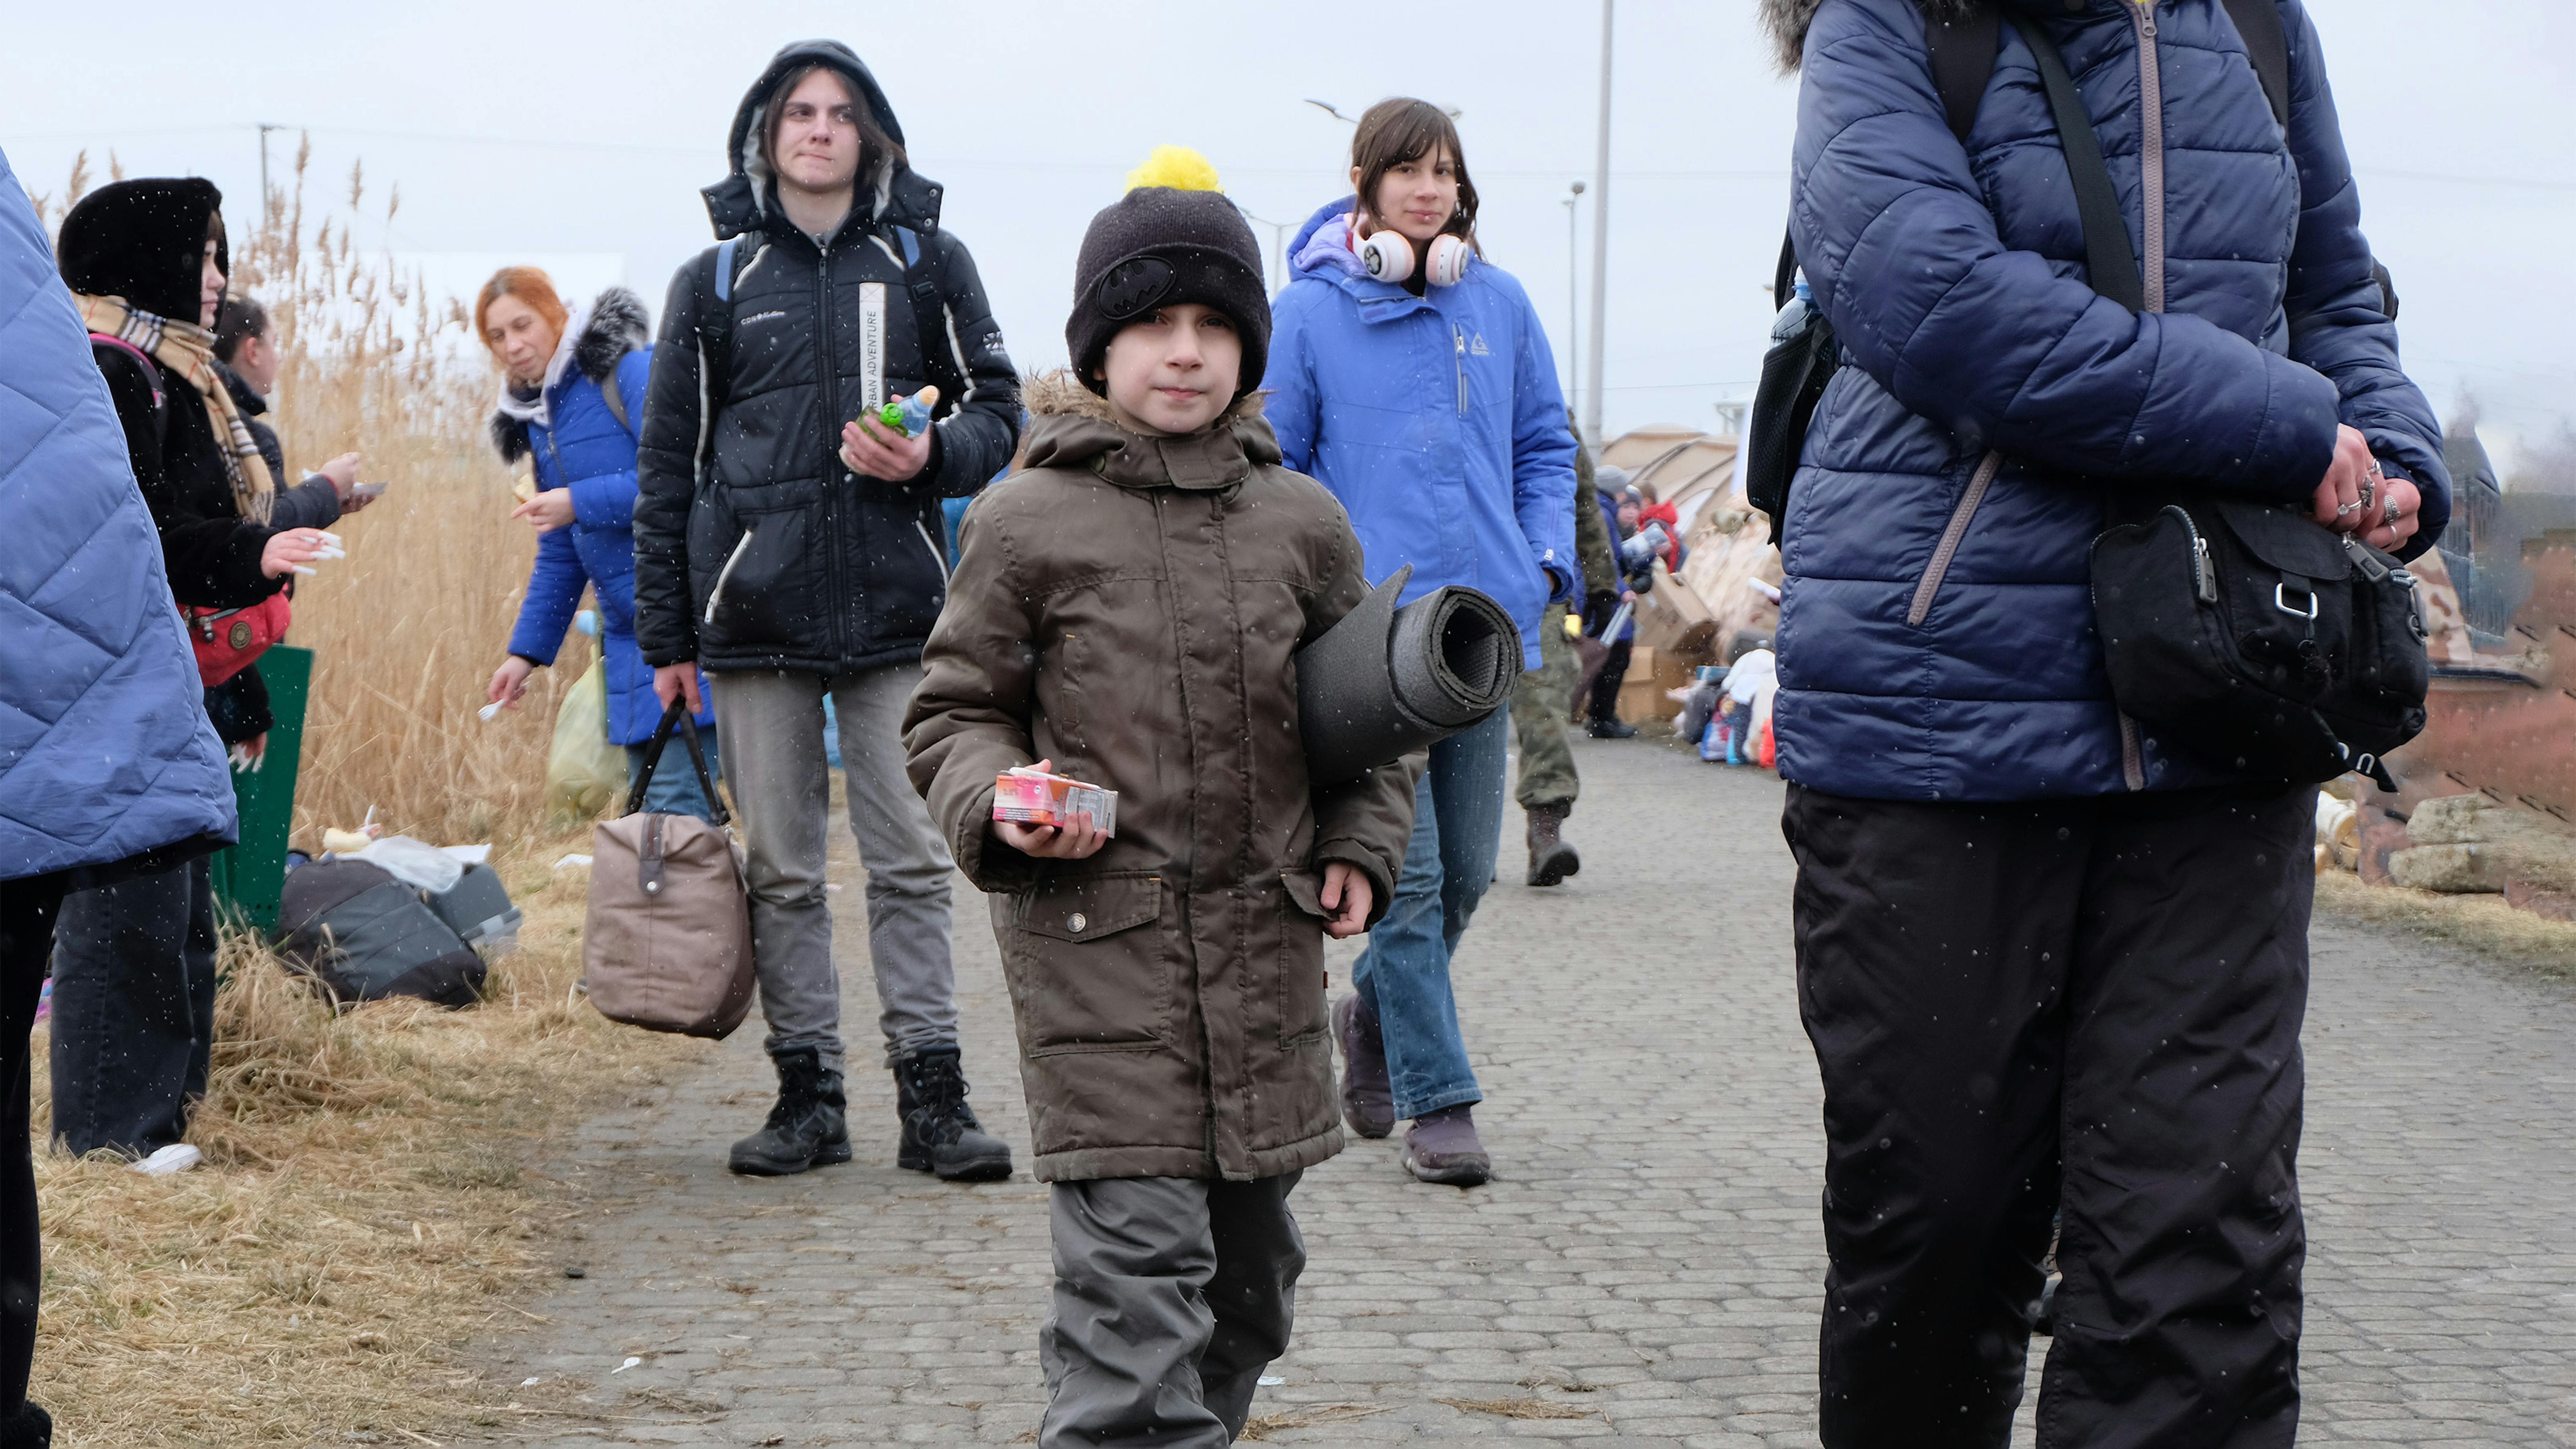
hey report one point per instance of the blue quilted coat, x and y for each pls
(583, 447)
(1435, 420)
(105, 750)
(1955, 281)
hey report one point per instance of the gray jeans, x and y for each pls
(772, 726)
(1172, 1294)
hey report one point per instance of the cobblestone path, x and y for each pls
(1647, 1265)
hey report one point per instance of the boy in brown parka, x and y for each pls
(1126, 609)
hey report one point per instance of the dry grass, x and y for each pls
(2483, 923)
(1519, 1408)
(368, 1202)
(1259, 1429)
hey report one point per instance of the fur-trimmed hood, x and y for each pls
(1070, 426)
(614, 325)
(1786, 22)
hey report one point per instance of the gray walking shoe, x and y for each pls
(807, 1128)
(940, 1133)
(1368, 1099)
(1442, 1148)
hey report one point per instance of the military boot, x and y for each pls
(940, 1133)
(1552, 859)
(809, 1126)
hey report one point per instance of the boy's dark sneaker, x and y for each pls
(940, 1133)
(1551, 858)
(1442, 1148)
(1368, 1098)
(1612, 729)
(809, 1127)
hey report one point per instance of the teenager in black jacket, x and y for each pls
(794, 553)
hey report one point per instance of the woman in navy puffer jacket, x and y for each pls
(2048, 964)
(1428, 405)
(556, 411)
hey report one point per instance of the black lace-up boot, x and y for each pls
(940, 1133)
(809, 1126)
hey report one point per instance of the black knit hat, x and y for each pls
(144, 240)
(1159, 246)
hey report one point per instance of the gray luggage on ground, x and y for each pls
(478, 910)
(365, 936)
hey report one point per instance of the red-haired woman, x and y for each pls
(572, 397)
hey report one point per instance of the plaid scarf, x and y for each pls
(190, 352)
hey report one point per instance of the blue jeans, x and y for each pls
(1404, 973)
(675, 789)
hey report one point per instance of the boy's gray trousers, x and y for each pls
(772, 728)
(1171, 1296)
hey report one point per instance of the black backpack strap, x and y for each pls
(2097, 202)
(1787, 276)
(715, 323)
(2267, 45)
(1963, 61)
(927, 280)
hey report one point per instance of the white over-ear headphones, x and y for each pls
(1388, 257)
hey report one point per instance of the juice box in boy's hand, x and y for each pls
(1034, 797)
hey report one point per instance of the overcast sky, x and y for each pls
(577, 135)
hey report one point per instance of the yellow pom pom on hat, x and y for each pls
(1173, 237)
(1178, 167)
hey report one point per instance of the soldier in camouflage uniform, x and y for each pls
(1544, 700)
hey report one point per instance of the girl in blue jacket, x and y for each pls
(1412, 378)
(572, 396)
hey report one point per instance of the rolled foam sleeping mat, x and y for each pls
(1385, 681)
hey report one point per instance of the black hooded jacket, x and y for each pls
(822, 571)
(144, 240)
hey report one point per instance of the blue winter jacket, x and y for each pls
(1955, 281)
(588, 451)
(105, 749)
(1435, 420)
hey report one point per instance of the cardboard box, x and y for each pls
(1642, 695)
(1673, 619)
(1032, 797)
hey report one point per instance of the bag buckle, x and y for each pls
(2281, 601)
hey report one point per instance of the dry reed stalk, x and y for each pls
(365, 1206)
(1519, 1408)
(1259, 1429)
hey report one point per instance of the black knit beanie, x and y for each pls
(1159, 246)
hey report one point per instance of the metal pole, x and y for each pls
(1573, 312)
(1600, 243)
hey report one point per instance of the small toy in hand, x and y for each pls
(1034, 797)
(908, 416)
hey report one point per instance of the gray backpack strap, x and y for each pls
(927, 281)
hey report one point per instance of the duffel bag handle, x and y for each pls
(677, 714)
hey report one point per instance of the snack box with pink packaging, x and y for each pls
(1034, 797)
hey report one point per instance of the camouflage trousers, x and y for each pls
(1541, 703)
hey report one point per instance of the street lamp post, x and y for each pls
(1600, 242)
(1573, 313)
(1278, 241)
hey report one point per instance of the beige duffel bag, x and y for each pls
(667, 945)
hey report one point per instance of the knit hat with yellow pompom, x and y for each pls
(1172, 238)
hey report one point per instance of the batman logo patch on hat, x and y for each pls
(1133, 286)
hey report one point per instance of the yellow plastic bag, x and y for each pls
(584, 772)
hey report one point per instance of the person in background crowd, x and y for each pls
(1619, 507)
(251, 360)
(1415, 382)
(1544, 698)
(134, 963)
(240, 706)
(2047, 962)
(1178, 1079)
(788, 541)
(111, 770)
(572, 397)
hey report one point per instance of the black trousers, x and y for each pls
(1605, 685)
(2086, 1005)
(28, 909)
(134, 1010)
